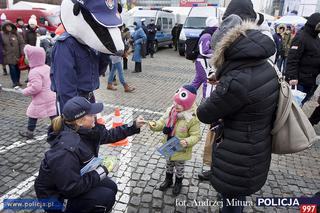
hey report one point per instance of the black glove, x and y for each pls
(102, 172)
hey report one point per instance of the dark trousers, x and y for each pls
(32, 123)
(175, 44)
(282, 64)
(315, 117)
(125, 63)
(232, 209)
(150, 47)
(14, 74)
(98, 199)
(307, 89)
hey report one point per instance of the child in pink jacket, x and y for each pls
(43, 104)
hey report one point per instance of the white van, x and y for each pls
(195, 23)
(164, 20)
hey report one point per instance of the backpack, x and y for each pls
(292, 132)
(192, 48)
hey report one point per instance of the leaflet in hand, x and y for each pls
(170, 147)
(92, 165)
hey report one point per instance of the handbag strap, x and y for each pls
(278, 124)
(276, 69)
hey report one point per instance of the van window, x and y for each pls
(195, 22)
(170, 23)
(158, 22)
(165, 23)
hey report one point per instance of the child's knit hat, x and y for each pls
(185, 96)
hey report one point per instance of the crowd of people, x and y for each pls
(13, 38)
(239, 99)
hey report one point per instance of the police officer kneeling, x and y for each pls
(75, 139)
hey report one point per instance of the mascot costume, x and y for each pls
(80, 54)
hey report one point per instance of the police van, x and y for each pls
(196, 23)
(164, 20)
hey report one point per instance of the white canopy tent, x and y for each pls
(293, 20)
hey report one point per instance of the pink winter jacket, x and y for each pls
(43, 99)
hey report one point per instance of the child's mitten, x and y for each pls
(152, 124)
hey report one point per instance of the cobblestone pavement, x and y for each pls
(141, 168)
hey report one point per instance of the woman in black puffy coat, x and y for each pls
(245, 100)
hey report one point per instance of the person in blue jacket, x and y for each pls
(74, 141)
(80, 54)
(139, 37)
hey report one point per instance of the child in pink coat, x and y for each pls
(43, 104)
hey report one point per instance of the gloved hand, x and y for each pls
(109, 162)
(152, 124)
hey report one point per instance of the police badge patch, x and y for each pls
(110, 4)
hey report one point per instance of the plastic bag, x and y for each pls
(298, 95)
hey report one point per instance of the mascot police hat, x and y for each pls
(94, 23)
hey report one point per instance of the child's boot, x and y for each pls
(167, 182)
(28, 134)
(177, 186)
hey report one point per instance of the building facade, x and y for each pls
(284, 7)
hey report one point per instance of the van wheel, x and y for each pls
(155, 47)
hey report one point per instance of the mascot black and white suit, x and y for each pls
(79, 54)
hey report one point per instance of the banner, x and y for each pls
(189, 3)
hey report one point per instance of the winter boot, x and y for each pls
(177, 186)
(139, 66)
(127, 88)
(205, 175)
(136, 67)
(110, 87)
(167, 182)
(28, 134)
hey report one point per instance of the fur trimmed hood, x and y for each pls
(243, 42)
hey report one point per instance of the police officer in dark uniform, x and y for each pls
(152, 31)
(75, 141)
